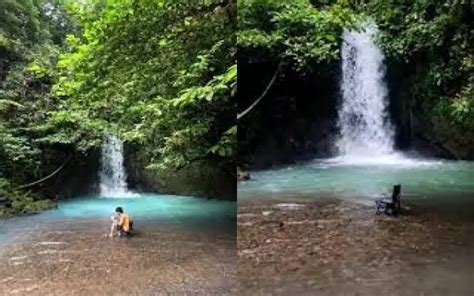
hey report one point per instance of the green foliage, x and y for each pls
(220, 87)
(462, 107)
(294, 32)
(25, 203)
(227, 144)
(160, 73)
(434, 38)
(71, 128)
(196, 118)
(27, 23)
(5, 104)
(31, 35)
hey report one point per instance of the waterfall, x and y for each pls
(364, 124)
(113, 178)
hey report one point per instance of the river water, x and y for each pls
(448, 185)
(149, 211)
(181, 245)
(367, 163)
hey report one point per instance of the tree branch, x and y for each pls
(47, 177)
(240, 115)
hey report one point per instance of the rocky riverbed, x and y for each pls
(75, 258)
(330, 247)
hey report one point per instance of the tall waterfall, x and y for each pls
(364, 124)
(113, 178)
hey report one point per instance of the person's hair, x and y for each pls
(118, 210)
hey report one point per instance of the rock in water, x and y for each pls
(3, 201)
(242, 175)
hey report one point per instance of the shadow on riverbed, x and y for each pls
(332, 247)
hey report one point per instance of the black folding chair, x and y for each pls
(390, 205)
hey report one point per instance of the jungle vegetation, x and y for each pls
(293, 45)
(162, 75)
(159, 74)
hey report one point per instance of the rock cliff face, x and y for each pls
(295, 121)
(421, 126)
(434, 132)
(79, 177)
(202, 179)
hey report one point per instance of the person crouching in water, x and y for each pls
(122, 223)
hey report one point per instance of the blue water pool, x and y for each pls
(149, 211)
(448, 185)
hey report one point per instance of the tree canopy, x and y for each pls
(434, 39)
(294, 32)
(160, 74)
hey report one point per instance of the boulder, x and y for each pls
(242, 175)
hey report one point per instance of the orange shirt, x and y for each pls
(124, 221)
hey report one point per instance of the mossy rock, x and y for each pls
(37, 206)
(26, 206)
(242, 175)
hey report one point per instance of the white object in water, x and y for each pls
(18, 258)
(290, 205)
(50, 243)
(47, 252)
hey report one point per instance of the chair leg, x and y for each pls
(378, 206)
(395, 212)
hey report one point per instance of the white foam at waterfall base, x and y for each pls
(395, 159)
(113, 178)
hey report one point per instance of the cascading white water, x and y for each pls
(113, 178)
(365, 128)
